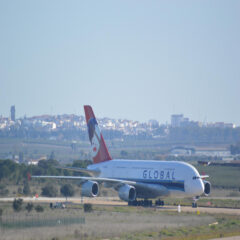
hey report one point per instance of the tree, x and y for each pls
(49, 166)
(49, 191)
(81, 163)
(26, 188)
(67, 190)
(17, 204)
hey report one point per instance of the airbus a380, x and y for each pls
(142, 179)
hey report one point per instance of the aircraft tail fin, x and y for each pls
(99, 149)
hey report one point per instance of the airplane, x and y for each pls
(135, 179)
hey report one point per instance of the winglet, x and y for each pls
(99, 149)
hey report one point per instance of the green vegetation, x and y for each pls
(221, 176)
(3, 190)
(38, 148)
(87, 207)
(205, 202)
(15, 173)
(67, 190)
(29, 207)
(17, 204)
(223, 227)
(50, 190)
(39, 208)
(26, 188)
(111, 222)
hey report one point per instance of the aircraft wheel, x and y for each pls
(194, 205)
(159, 203)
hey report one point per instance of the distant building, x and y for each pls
(13, 113)
(176, 120)
(213, 153)
(153, 123)
(182, 151)
(221, 125)
(184, 122)
(36, 161)
(224, 125)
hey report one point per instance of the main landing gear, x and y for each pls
(194, 203)
(159, 202)
(145, 203)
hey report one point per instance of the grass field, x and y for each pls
(34, 149)
(222, 176)
(110, 222)
(103, 222)
(206, 202)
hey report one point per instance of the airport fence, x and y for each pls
(19, 222)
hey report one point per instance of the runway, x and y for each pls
(114, 201)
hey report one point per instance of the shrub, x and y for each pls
(87, 207)
(29, 207)
(17, 204)
(20, 191)
(39, 208)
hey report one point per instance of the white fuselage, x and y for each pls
(169, 178)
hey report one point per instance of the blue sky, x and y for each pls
(138, 60)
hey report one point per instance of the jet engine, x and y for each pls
(127, 193)
(207, 188)
(90, 189)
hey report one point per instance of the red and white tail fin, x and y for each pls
(99, 150)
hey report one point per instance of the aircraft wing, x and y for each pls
(83, 170)
(97, 179)
(204, 176)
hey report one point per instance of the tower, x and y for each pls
(176, 120)
(13, 113)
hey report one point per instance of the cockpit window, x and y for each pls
(195, 177)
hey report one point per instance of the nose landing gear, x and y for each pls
(194, 203)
